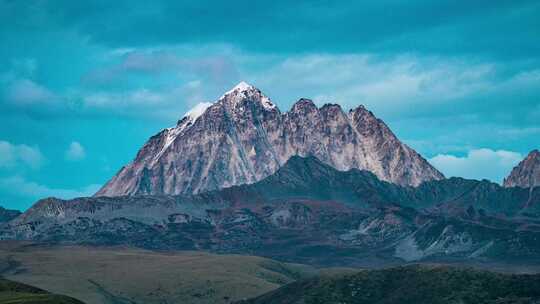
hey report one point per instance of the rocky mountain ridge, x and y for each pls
(307, 212)
(243, 137)
(527, 173)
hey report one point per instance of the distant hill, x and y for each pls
(412, 284)
(7, 215)
(127, 276)
(17, 293)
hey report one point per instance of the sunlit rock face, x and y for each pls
(527, 173)
(243, 137)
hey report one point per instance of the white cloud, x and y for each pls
(160, 103)
(478, 164)
(216, 67)
(165, 81)
(26, 92)
(7, 155)
(381, 83)
(21, 187)
(12, 155)
(75, 151)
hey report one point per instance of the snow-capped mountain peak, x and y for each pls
(243, 138)
(244, 91)
(241, 86)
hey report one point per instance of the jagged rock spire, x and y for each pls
(527, 173)
(243, 138)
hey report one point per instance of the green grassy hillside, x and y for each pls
(122, 275)
(18, 293)
(117, 275)
(412, 284)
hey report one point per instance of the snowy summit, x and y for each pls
(248, 90)
(241, 86)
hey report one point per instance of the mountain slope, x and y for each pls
(125, 275)
(527, 173)
(7, 215)
(413, 284)
(306, 212)
(243, 137)
(18, 293)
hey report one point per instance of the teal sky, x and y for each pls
(83, 84)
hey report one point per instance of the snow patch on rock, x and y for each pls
(197, 110)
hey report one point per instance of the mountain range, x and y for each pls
(311, 185)
(243, 137)
(307, 212)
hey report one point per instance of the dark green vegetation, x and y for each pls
(18, 293)
(116, 275)
(405, 285)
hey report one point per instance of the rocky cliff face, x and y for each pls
(243, 137)
(527, 173)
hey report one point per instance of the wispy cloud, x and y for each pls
(166, 104)
(215, 68)
(12, 155)
(19, 186)
(75, 151)
(383, 83)
(478, 164)
(24, 92)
